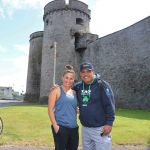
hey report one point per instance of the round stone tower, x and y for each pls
(34, 67)
(63, 23)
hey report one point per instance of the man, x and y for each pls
(96, 110)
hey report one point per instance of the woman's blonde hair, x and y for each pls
(69, 69)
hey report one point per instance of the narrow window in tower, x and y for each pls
(77, 35)
(47, 21)
(79, 21)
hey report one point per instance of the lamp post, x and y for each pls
(54, 73)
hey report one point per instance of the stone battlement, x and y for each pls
(36, 35)
(61, 5)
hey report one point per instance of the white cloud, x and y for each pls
(14, 69)
(8, 7)
(20, 4)
(110, 16)
(2, 13)
(14, 72)
(17, 81)
(22, 48)
(19, 77)
(2, 49)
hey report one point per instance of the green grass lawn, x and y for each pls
(31, 125)
(132, 127)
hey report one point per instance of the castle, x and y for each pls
(122, 58)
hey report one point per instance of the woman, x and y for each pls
(62, 110)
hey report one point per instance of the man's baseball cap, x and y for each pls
(87, 66)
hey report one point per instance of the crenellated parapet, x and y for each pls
(36, 35)
(78, 5)
(60, 5)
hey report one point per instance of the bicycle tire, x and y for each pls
(1, 125)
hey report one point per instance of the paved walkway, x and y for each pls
(115, 147)
(6, 103)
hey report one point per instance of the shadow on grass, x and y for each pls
(134, 113)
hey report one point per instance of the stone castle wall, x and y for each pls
(61, 23)
(34, 67)
(122, 58)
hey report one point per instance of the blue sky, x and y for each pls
(20, 18)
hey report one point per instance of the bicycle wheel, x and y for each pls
(1, 125)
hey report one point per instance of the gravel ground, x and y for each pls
(115, 147)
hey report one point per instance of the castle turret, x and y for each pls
(62, 22)
(34, 67)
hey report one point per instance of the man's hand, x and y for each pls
(78, 111)
(106, 129)
(54, 87)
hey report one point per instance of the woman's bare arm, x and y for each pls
(51, 105)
